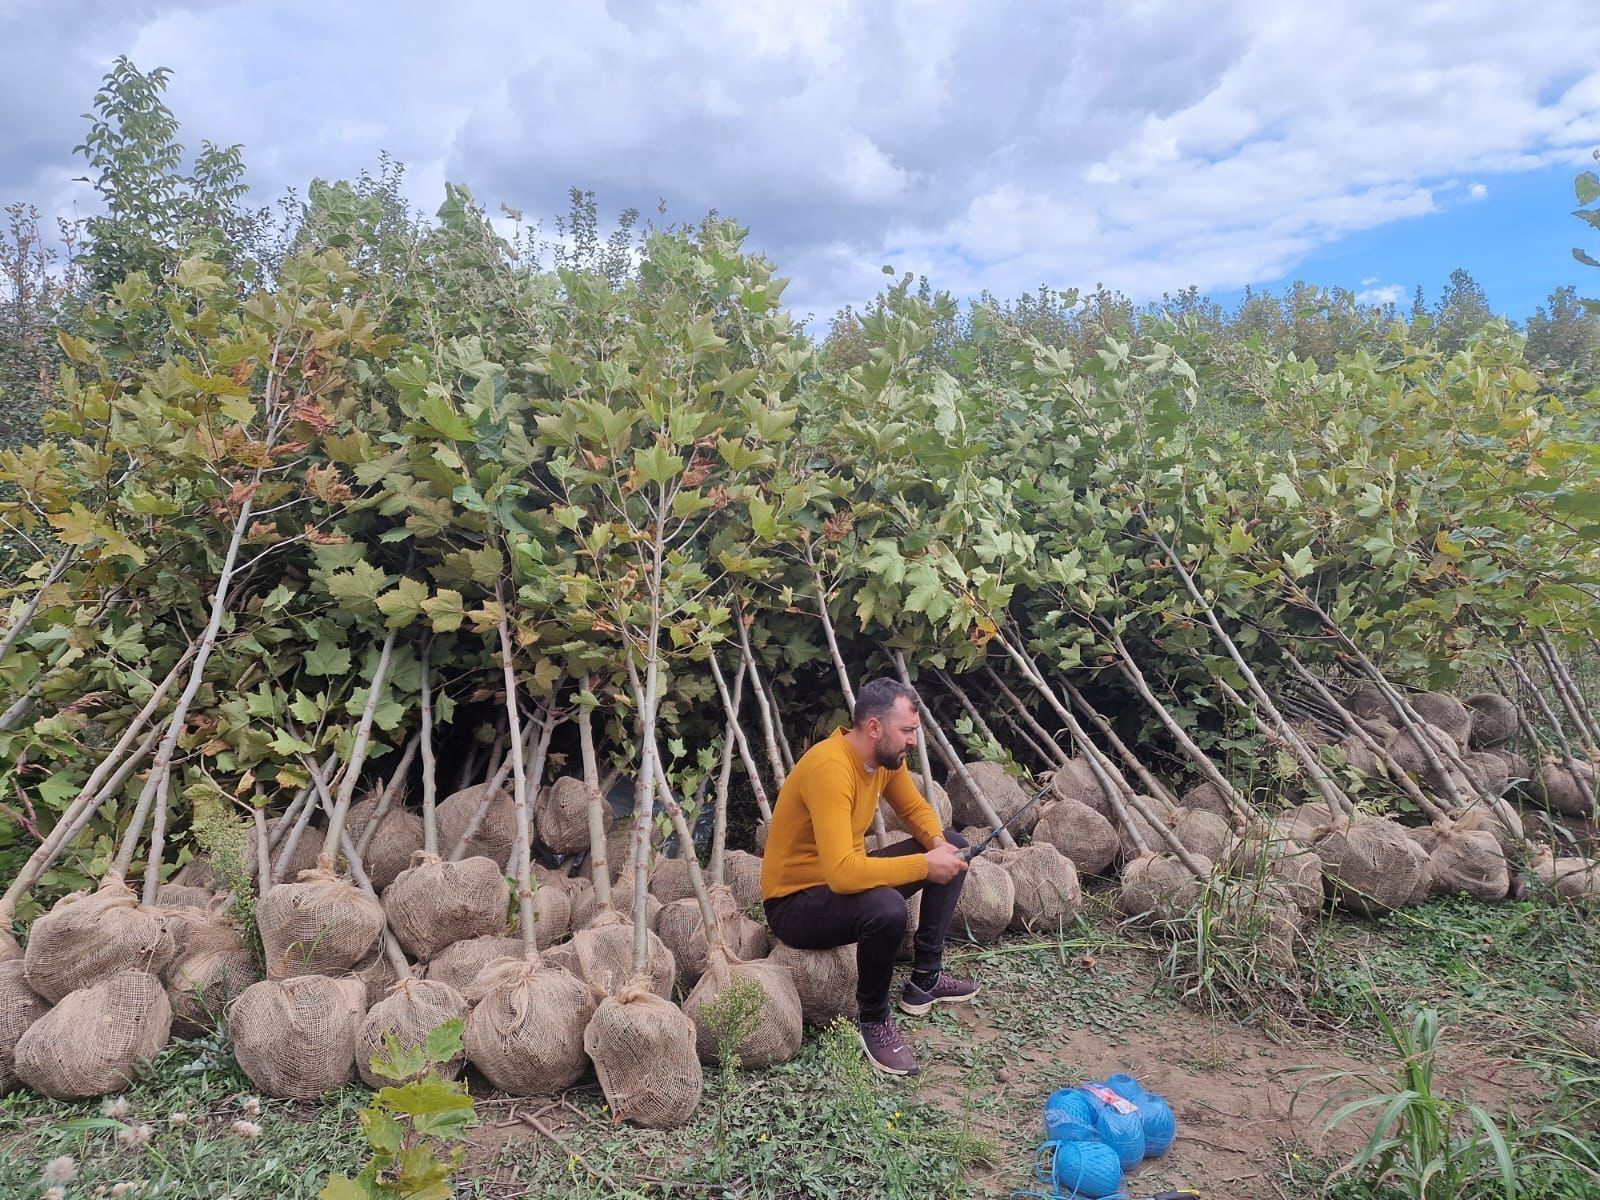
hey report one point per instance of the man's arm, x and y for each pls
(913, 809)
(845, 868)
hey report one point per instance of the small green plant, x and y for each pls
(224, 840)
(1425, 1145)
(732, 1017)
(407, 1126)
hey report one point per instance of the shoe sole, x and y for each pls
(917, 1010)
(883, 1068)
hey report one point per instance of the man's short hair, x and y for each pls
(877, 699)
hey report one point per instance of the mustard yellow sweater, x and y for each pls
(820, 823)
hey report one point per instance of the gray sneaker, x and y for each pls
(886, 1048)
(945, 989)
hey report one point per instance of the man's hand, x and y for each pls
(944, 863)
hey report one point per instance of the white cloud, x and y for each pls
(1369, 281)
(1389, 293)
(1148, 145)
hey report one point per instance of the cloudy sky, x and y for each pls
(1148, 144)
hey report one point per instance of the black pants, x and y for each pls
(875, 920)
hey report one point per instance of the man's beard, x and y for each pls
(893, 759)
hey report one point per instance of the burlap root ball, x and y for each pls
(397, 838)
(1259, 915)
(619, 854)
(434, 903)
(1201, 832)
(412, 1010)
(1291, 869)
(1558, 789)
(669, 879)
(1005, 796)
(1078, 781)
(561, 814)
(1160, 886)
(644, 1051)
(937, 798)
(1494, 720)
(741, 871)
(1304, 823)
(602, 955)
(1469, 862)
(825, 980)
(193, 929)
(1444, 711)
(495, 833)
(375, 974)
(1369, 701)
(581, 898)
(776, 1033)
(89, 936)
(90, 1043)
(1154, 842)
(296, 1038)
(177, 895)
(206, 980)
(682, 930)
(1359, 757)
(1505, 826)
(1569, 878)
(1370, 866)
(987, 899)
(1408, 754)
(525, 1033)
(552, 915)
(1079, 832)
(320, 925)
(1046, 893)
(1488, 772)
(459, 963)
(622, 901)
(20, 1007)
(1207, 797)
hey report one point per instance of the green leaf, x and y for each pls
(657, 464)
(327, 658)
(445, 609)
(306, 710)
(444, 1041)
(340, 1187)
(442, 416)
(403, 604)
(384, 1133)
(357, 589)
(762, 519)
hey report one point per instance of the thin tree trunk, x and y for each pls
(535, 771)
(1056, 752)
(719, 816)
(1569, 760)
(25, 617)
(1117, 793)
(971, 709)
(1047, 761)
(1130, 760)
(390, 793)
(523, 841)
(1339, 805)
(292, 843)
(351, 777)
(697, 881)
(1566, 691)
(745, 756)
(263, 853)
(829, 634)
(953, 761)
(784, 748)
(774, 756)
(1209, 771)
(430, 765)
(599, 867)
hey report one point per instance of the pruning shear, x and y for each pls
(972, 852)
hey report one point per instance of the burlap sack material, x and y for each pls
(1370, 866)
(1206, 797)
(459, 963)
(825, 980)
(412, 1009)
(682, 930)
(742, 873)
(398, 837)
(1506, 827)
(525, 1031)
(777, 1032)
(602, 955)
(318, 925)
(176, 895)
(434, 903)
(1570, 877)
(1471, 863)
(1154, 842)
(1293, 868)
(1201, 832)
(1077, 781)
(495, 835)
(375, 974)
(90, 936)
(1160, 886)
(20, 1007)
(1494, 720)
(643, 1048)
(1079, 832)
(1555, 787)
(561, 814)
(1444, 711)
(90, 1043)
(201, 986)
(296, 1038)
(1004, 793)
(1046, 892)
(584, 907)
(987, 898)
(669, 880)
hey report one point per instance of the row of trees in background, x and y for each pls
(288, 484)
